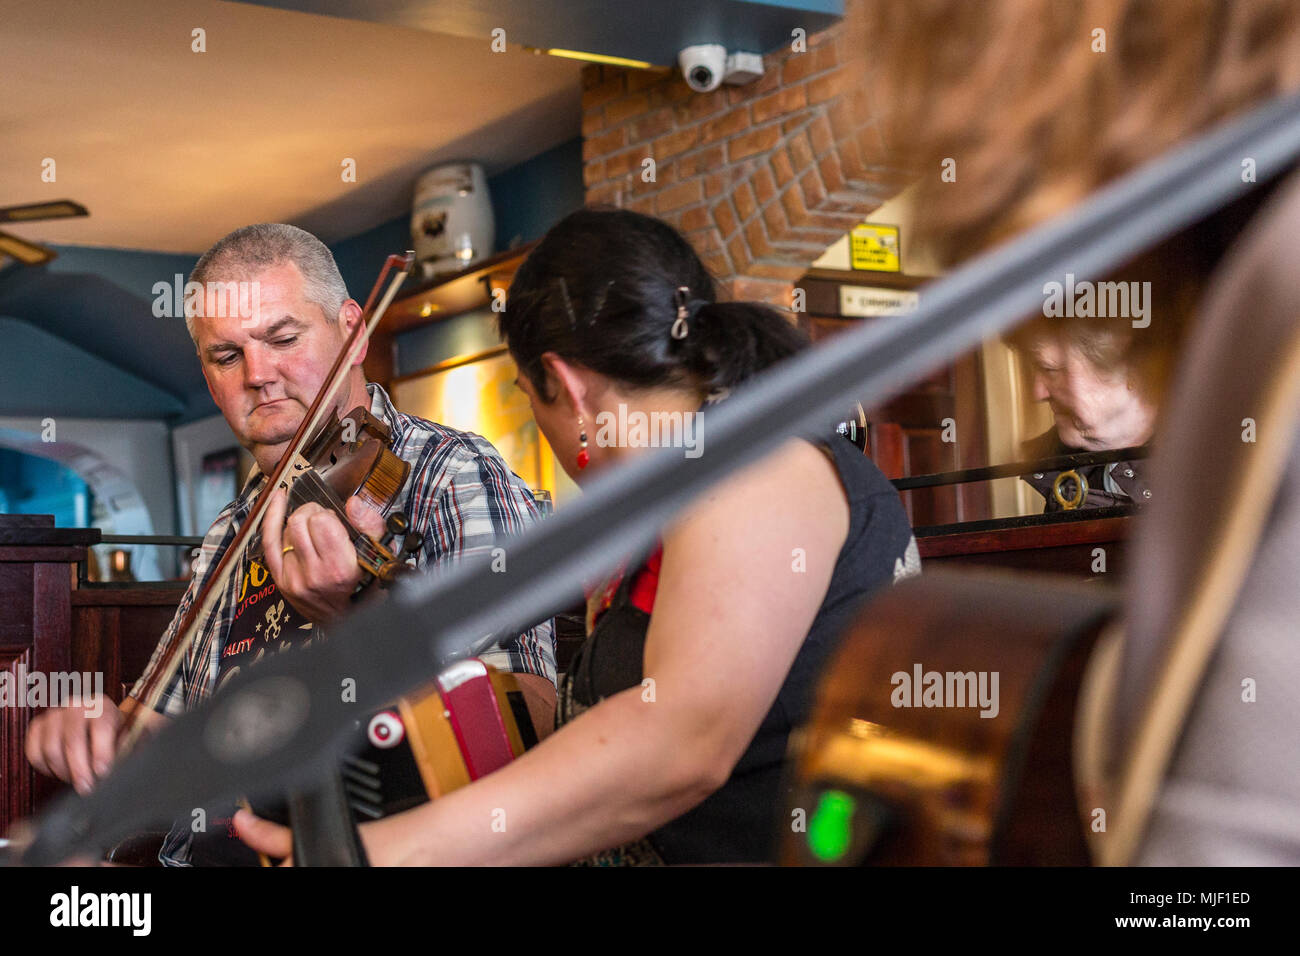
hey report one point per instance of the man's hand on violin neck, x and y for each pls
(311, 557)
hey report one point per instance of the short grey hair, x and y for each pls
(263, 245)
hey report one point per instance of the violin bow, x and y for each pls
(206, 601)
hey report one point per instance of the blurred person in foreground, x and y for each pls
(1039, 104)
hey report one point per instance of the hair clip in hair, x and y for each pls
(680, 328)
(568, 305)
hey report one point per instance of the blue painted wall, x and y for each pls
(42, 375)
(530, 198)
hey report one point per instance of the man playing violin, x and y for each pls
(264, 364)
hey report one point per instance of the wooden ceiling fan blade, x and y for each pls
(57, 209)
(28, 253)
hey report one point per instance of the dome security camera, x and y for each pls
(703, 66)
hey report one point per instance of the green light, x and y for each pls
(831, 829)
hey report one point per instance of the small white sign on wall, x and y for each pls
(869, 301)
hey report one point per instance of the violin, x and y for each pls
(353, 458)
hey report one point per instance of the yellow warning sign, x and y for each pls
(875, 247)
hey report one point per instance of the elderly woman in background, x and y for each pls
(1096, 374)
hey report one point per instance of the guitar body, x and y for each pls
(942, 733)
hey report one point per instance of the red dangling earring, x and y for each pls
(583, 458)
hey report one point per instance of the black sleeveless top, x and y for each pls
(740, 821)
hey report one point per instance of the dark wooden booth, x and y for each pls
(52, 625)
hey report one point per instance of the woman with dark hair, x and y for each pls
(702, 655)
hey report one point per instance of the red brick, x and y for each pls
(782, 103)
(851, 159)
(725, 218)
(705, 241)
(622, 110)
(746, 206)
(671, 91)
(814, 239)
(593, 121)
(825, 55)
(611, 89)
(831, 85)
(832, 175)
(835, 221)
(792, 202)
(653, 124)
(795, 123)
(775, 270)
(700, 106)
(593, 172)
(781, 168)
(871, 146)
(683, 194)
(716, 264)
(773, 292)
(697, 217)
(756, 237)
(770, 80)
(676, 143)
(699, 162)
(820, 136)
(611, 192)
(620, 164)
(764, 186)
(841, 117)
(715, 184)
(727, 125)
(797, 67)
(801, 152)
(638, 80)
(754, 142)
(593, 74)
(814, 193)
(860, 103)
(774, 219)
(739, 253)
(665, 175)
(604, 144)
(644, 205)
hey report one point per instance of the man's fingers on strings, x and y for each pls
(273, 532)
(329, 539)
(365, 518)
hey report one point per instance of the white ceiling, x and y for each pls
(170, 149)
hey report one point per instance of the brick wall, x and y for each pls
(761, 178)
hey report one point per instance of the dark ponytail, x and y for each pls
(730, 341)
(602, 290)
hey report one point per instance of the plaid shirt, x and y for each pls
(459, 494)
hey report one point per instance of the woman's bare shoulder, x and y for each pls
(796, 488)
